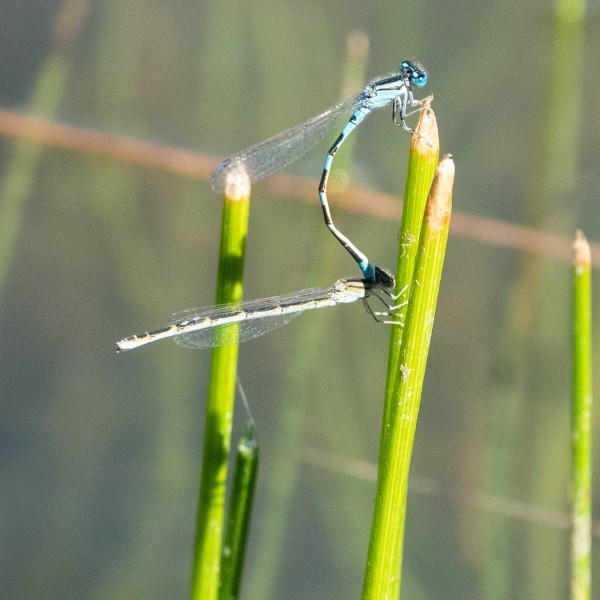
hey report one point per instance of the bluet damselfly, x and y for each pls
(279, 151)
(208, 327)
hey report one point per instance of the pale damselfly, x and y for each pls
(277, 152)
(212, 326)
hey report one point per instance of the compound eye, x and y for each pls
(416, 74)
(419, 78)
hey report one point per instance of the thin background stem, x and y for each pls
(581, 423)
(21, 169)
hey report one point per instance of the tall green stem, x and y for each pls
(422, 162)
(221, 394)
(382, 580)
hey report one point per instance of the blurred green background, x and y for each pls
(100, 454)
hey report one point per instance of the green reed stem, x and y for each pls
(238, 520)
(422, 162)
(382, 579)
(581, 423)
(221, 394)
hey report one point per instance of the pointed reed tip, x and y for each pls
(426, 139)
(439, 201)
(582, 256)
(426, 102)
(237, 184)
(446, 165)
(248, 443)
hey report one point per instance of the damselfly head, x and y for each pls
(384, 278)
(415, 72)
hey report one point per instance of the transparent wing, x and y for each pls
(224, 335)
(245, 320)
(281, 150)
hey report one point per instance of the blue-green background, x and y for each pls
(100, 453)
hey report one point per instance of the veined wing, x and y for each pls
(233, 333)
(226, 324)
(279, 151)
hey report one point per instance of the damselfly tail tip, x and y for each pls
(129, 343)
(123, 345)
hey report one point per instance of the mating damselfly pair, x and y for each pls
(205, 327)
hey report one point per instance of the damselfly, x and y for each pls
(265, 158)
(233, 323)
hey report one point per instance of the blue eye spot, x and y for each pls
(416, 74)
(419, 78)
